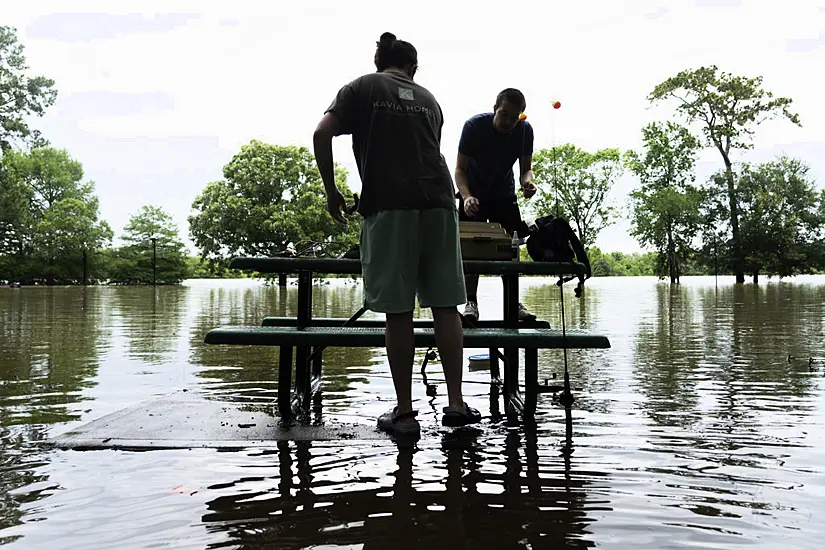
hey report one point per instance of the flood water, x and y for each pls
(693, 431)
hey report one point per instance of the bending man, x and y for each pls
(489, 146)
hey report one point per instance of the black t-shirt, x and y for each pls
(492, 155)
(396, 139)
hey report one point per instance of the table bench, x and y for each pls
(303, 338)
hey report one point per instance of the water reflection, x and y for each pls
(152, 318)
(460, 495)
(693, 429)
(248, 373)
(669, 348)
(722, 353)
(51, 340)
(590, 369)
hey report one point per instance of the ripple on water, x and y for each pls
(693, 430)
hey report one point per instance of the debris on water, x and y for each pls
(246, 425)
(181, 489)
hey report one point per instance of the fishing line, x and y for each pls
(567, 396)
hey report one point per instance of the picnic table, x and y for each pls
(309, 336)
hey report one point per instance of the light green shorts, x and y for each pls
(409, 252)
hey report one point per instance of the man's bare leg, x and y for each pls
(449, 335)
(401, 353)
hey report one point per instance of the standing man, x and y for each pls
(409, 237)
(489, 146)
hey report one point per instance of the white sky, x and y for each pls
(155, 105)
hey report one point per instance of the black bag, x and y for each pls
(553, 240)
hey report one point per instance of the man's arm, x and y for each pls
(328, 127)
(461, 166)
(525, 161)
(526, 170)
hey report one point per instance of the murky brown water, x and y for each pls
(694, 430)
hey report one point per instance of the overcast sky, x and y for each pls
(155, 97)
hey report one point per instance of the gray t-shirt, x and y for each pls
(396, 139)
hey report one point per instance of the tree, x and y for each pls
(51, 174)
(575, 184)
(728, 108)
(270, 196)
(15, 224)
(665, 211)
(20, 95)
(781, 215)
(41, 233)
(153, 251)
(67, 237)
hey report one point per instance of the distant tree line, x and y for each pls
(762, 219)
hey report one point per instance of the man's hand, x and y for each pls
(337, 206)
(528, 189)
(471, 206)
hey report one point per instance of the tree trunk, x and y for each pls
(755, 276)
(738, 255)
(678, 267)
(671, 257)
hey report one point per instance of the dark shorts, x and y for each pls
(504, 212)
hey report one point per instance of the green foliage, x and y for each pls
(665, 210)
(619, 264)
(782, 216)
(198, 268)
(270, 196)
(15, 223)
(20, 95)
(613, 264)
(68, 230)
(49, 226)
(51, 175)
(153, 251)
(581, 181)
(728, 109)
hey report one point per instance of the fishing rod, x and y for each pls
(566, 397)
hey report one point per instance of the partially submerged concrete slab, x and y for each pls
(182, 422)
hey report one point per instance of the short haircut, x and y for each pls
(513, 96)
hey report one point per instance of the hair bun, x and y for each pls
(387, 39)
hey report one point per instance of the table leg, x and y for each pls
(304, 299)
(495, 373)
(512, 394)
(531, 380)
(318, 357)
(304, 319)
(285, 384)
(302, 380)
